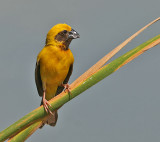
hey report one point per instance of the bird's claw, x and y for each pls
(46, 106)
(67, 87)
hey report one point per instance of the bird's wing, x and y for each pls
(38, 79)
(60, 88)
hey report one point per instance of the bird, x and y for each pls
(54, 66)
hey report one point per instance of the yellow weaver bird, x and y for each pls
(54, 65)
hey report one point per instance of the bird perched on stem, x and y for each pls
(54, 66)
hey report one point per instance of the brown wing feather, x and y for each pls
(38, 79)
(60, 88)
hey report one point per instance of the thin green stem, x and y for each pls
(23, 135)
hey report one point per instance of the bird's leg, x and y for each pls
(67, 87)
(46, 104)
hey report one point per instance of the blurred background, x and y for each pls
(124, 107)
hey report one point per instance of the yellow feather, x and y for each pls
(54, 62)
(54, 31)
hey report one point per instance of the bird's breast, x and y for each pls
(54, 68)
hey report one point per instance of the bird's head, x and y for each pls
(61, 35)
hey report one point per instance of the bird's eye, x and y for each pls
(65, 31)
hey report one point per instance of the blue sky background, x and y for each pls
(124, 107)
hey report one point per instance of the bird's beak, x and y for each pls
(73, 34)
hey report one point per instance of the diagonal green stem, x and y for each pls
(39, 113)
(23, 135)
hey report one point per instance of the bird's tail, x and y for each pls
(51, 119)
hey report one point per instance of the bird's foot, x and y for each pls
(67, 87)
(46, 105)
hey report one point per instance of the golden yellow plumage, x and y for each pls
(54, 64)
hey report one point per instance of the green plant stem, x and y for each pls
(39, 113)
(23, 135)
